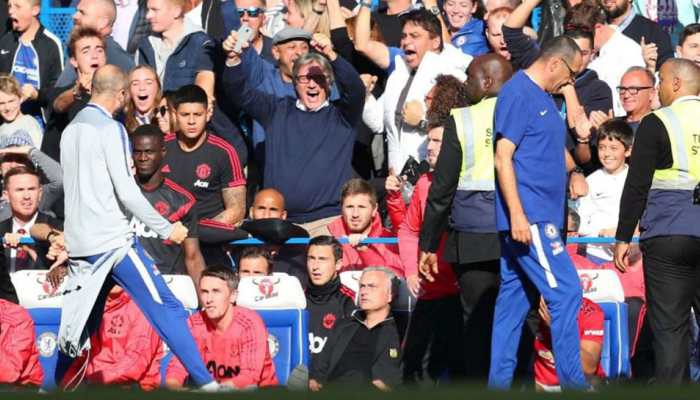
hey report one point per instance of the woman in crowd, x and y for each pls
(144, 94)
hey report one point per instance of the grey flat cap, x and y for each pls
(288, 34)
(19, 138)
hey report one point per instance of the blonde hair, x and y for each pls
(10, 85)
(130, 120)
(306, 7)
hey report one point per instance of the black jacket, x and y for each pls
(7, 290)
(327, 305)
(652, 33)
(386, 365)
(49, 50)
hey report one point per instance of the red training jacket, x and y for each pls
(407, 223)
(18, 352)
(385, 255)
(125, 350)
(239, 356)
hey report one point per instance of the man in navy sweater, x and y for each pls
(309, 139)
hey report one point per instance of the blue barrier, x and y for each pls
(58, 20)
(391, 240)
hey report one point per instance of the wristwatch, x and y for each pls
(576, 169)
(435, 10)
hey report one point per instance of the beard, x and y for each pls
(617, 10)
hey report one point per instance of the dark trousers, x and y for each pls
(434, 344)
(672, 279)
(478, 284)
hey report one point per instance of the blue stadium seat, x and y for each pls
(615, 355)
(58, 20)
(288, 341)
(46, 323)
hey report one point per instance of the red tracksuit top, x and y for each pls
(385, 255)
(407, 223)
(240, 355)
(18, 352)
(125, 350)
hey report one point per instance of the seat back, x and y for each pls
(615, 354)
(280, 301)
(601, 285)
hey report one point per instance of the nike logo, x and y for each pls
(3, 52)
(542, 113)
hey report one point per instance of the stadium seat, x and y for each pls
(280, 301)
(601, 285)
(401, 307)
(615, 356)
(44, 305)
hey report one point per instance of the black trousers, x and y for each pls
(672, 279)
(434, 346)
(478, 284)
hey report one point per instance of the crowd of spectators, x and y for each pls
(326, 119)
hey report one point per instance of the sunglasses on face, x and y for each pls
(252, 12)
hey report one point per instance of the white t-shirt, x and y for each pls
(600, 208)
(614, 59)
(27, 123)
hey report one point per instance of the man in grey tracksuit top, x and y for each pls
(99, 186)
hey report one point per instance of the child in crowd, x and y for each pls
(11, 114)
(599, 209)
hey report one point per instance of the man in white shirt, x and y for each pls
(616, 54)
(412, 71)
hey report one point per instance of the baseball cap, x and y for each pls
(19, 138)
(287, 34)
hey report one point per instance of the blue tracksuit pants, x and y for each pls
(139, 276)
(544, 267)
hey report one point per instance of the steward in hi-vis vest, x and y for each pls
(662, 190)
(462, 198)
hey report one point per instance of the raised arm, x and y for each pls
(377, 52)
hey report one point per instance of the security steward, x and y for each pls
(662, 189)
(463, 186)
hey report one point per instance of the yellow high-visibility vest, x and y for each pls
(681, 122)
(475, 132)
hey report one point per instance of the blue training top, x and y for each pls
(527, 116)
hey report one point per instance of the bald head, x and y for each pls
(268, 203)
(108, 80)
(486, 75)
(677, 78)
(96, 14)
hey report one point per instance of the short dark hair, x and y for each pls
(448, 93)
(426, 20)
(79, 33)
(223, 272)
(325, 240)
(190, 94)
(617, 129)
(560, 46)
(358, 186)
(257, 252)
(148, 130)
(20, 170)
(584, 17)
(688, 31)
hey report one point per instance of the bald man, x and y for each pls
(99, 15)
(268, 203)
(472, 245)
(662, 188)
(100, 186)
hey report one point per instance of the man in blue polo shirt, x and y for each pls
(531, 165)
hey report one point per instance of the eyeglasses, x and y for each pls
(633, 90)
(304, 78)
(253, 12)
(572, 73)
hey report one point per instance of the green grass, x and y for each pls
(630, 392)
